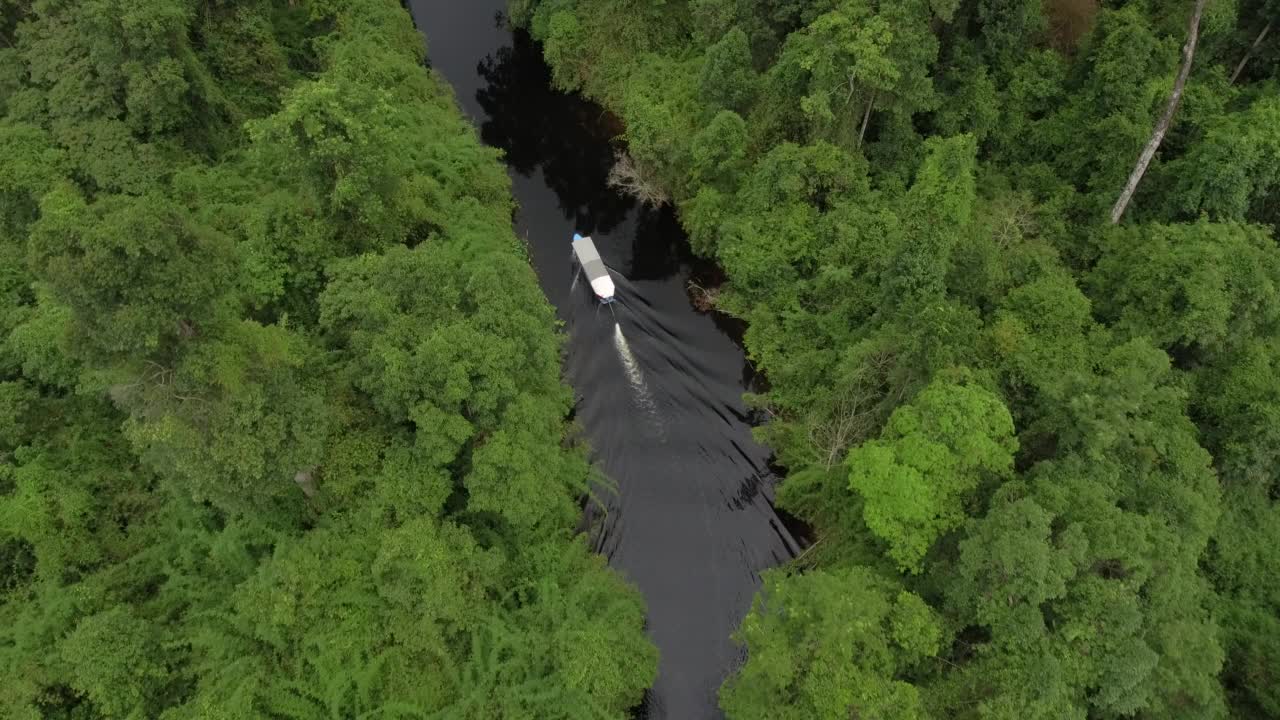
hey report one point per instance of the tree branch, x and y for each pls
(1249, 53)
(849, 95)
(866, 117)
(1162, 127)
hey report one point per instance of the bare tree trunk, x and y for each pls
(1162, 127)
(1249, 53)
(866, 118)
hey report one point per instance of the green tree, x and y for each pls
(1232, 170)
(938, 206)
(138, 273)
(831, 645)
(1206, 286)
(236, 421)
(118, 662)
(916, 479)
(728, 78)
(846, 53)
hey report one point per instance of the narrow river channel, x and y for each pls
(659, 384)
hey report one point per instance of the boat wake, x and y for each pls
(640, 392)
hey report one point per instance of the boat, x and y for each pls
(593, 267)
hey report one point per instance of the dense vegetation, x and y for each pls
(1039, 450)
(281, 420)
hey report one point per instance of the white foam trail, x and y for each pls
(635, 376)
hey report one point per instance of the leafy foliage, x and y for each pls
(832, 645)
(272, 441)
(932, 455)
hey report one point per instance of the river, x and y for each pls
(659, 384)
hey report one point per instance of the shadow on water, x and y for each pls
(659, 384)
(561, 134)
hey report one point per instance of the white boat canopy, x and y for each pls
(593, 266)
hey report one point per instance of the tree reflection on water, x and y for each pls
(562, 134)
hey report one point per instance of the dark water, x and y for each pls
(659, 386)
